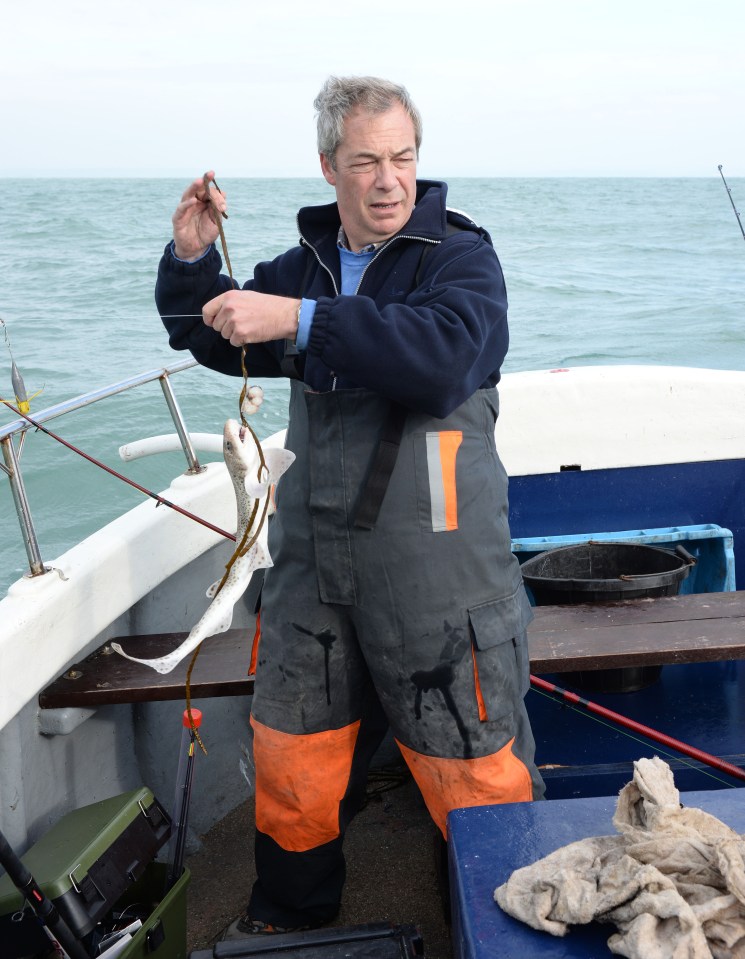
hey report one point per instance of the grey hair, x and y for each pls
(340, 95)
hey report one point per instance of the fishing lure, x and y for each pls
(23, 400)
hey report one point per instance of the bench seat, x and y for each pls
(105, 677)
(694, 628)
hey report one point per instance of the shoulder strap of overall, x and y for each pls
(373, 493)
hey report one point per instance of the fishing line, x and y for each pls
(572, 701)
(623, 732)
(247, 541)
(216, 216)
(7, 336)
(125, 479)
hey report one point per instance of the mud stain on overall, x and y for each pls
(442, 678)
(326, 638)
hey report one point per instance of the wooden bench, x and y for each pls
(105, 677)
(697, 628)
(694, 628)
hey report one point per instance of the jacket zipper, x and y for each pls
(385, 246)
(310, 246)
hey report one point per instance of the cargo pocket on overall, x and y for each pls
(499, 646)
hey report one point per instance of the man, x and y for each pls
(394, 597)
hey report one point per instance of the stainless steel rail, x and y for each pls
(20, 427)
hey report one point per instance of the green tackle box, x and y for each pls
(97, 862)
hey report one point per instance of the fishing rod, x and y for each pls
(735, 771)
(42, 906)
(125, 479)
(729, 192)
(191, 721)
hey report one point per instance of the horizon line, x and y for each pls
(299, 176)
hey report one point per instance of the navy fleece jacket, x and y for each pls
(426, 328)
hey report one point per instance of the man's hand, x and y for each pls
(194, 227)
(244, 316)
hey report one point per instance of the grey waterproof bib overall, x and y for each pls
(418, 623)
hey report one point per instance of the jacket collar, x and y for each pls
(319, 225)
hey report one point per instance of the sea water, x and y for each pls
(598, 271)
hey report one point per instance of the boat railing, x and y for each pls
(19, 428)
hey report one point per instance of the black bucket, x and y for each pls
(596, 572)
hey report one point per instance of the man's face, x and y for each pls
(375, 175)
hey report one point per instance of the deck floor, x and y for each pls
(391, 873)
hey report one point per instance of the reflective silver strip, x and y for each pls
(436, 483)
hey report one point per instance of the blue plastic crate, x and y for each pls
(711, 545)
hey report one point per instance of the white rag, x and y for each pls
(672, 881)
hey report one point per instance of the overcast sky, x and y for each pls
(506, 87)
